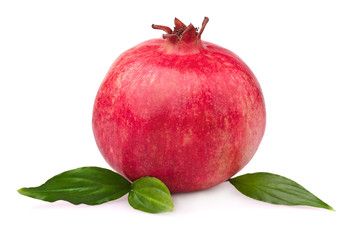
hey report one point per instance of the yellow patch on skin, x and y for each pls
(118, 81)
(207, 114)
(187, 138)
(226, 123)
(224, 162)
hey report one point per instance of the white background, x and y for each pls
(54, 55)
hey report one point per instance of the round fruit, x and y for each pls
(180, 109)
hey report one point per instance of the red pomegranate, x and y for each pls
(180, 109)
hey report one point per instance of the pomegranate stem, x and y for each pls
(182, 32)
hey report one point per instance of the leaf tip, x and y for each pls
(171, 208)
(21, 191)
(330, 208)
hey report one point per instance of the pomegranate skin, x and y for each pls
(190, 114)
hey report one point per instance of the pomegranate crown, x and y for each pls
(181, 32)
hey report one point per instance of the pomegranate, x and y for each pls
(180, 109)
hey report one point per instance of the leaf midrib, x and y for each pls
(151, 199)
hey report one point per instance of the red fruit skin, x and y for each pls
(190, 116)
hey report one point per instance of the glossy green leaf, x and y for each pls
(88, 185)
(151, 195)
(275, 189)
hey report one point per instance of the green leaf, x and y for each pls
(151, 195)
(88, 185)
(275, 189)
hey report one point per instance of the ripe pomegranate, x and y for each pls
(180, 109)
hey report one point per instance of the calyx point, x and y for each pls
(181, 32)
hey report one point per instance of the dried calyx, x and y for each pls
(181, 32)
